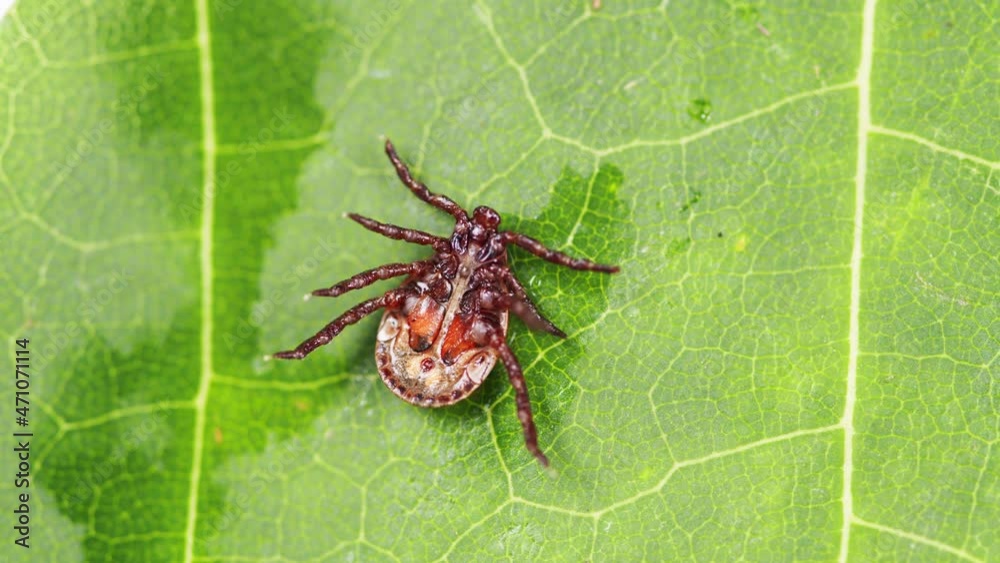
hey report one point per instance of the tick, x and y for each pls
(444, 328)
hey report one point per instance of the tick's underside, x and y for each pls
(444, 328)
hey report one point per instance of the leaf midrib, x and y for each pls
(204, 40)
(850, 395)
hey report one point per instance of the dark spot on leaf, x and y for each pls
(700, 109)
(677, 246)
(695, 198)
(747, 13)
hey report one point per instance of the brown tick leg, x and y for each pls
(350, 317)
(443, 203)
(402, 233)
(523, 403)
(369, 277)
(522, 306)
(554, 256)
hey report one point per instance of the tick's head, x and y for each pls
(486, 217)
(484, 223)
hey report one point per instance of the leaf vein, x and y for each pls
(934, 146)
(207, 223)
(853, 337)
(916, 537)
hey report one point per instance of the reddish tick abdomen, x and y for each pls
(430, 353)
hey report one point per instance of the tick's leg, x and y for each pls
(554, 256)
(443, 203)
(369, 277)
(522, 306)
(401, 233)
(350, 317)
(488, 296)
(523, 403)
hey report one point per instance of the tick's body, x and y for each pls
(445, 327)
(431, 351)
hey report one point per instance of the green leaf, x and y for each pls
(798, 359)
